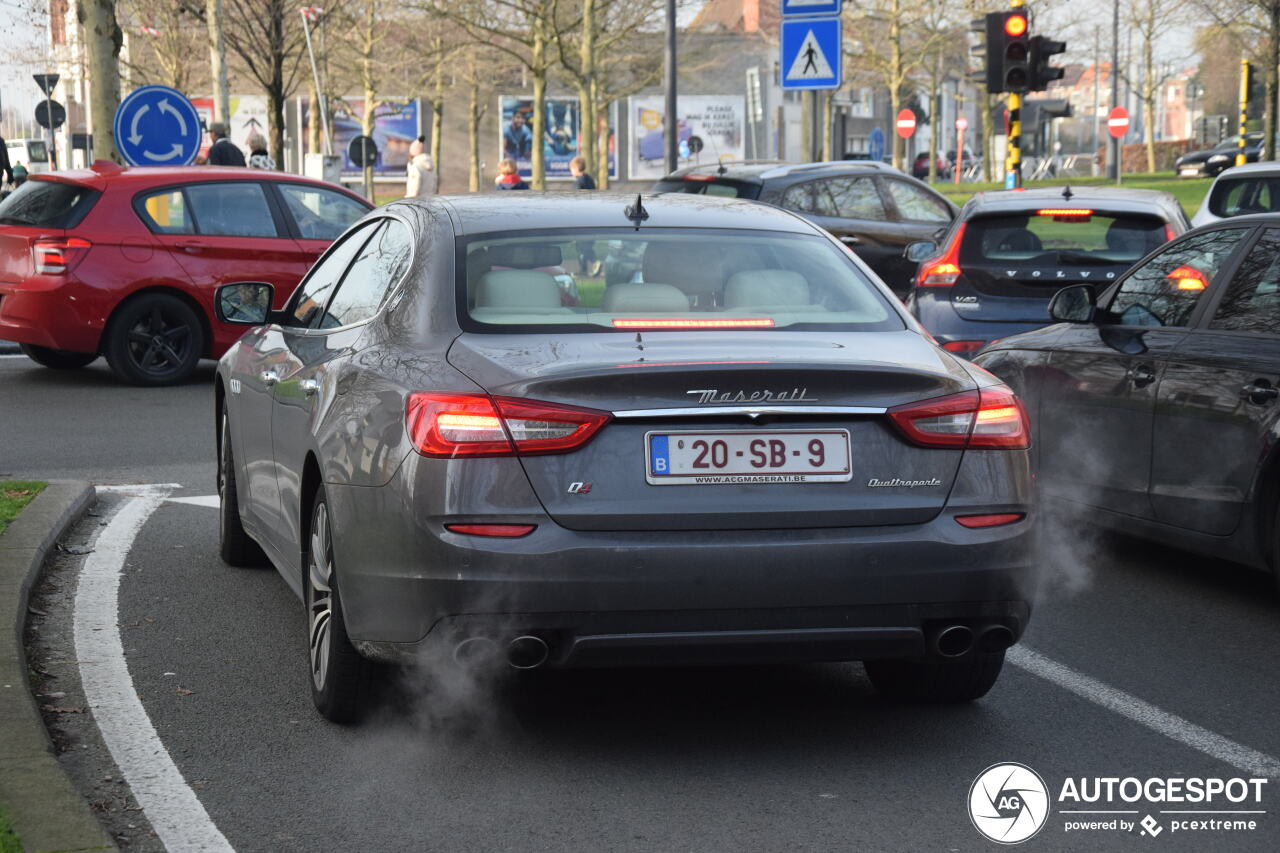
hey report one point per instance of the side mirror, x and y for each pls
(1075, 304)
(917, 252)
(244, 303)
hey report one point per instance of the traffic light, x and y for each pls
(1042, 50)
(1008, 51)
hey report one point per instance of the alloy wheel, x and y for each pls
(320, 596)
(159, 342)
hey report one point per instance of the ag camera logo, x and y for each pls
(1008, 803)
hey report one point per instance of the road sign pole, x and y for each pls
(957, 166)
(1241, 159)
(671, 117)
(53, 150)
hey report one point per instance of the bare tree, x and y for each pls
(103, 40)
(165, 35)
(1151, 20)
(1255, 24)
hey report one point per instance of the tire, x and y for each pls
(235, 546)
(155, 339)
(942, 680)
(58, 359)
(338, 673)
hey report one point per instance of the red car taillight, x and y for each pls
(59, 256)
(448, 425)
(989, 418)
(945, 269)
(963, 346)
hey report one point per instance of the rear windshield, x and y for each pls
(1240, 196)
(1066, 240)
(661, 279)
(708, 186)
(47, 204)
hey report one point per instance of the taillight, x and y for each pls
(1168, 232)
(1188, 278)
(990, 417)
(995, 519)
(59, 256)
(944, 270)
(963, 346)
(500, 531)
(448, 425)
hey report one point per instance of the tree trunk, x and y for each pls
(538, 70)
(586, 87)
(275, 116)
(1149, 102)
(935, 127)
(218, 62)
(600, 133)
(1273, 61)
(437, 111)
(103, 38)
(895, 75)
(368, 77)
(474, 113)
(313, 122)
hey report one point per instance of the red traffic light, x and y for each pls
(1015, 25)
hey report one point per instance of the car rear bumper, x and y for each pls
(692, 596)
(948, 325)
(47, 314)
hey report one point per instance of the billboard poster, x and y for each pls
(395, 126)
(562, 136)
(710, 129)
(248, 114)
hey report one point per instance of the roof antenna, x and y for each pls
(636, 212)
(1066, 193)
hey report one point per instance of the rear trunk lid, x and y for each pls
(796, 388)
(1012, 264)
(39, 209)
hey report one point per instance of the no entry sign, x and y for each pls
(1118, 122)
(906, 123)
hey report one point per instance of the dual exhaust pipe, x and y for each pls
(523, 652)
(953, 641)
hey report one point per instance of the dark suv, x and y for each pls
(874, 209)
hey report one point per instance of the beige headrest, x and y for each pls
(753, 288)
(517, 289)
(621, 298)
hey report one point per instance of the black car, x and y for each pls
(1157, 403)
(1009, 252)
(1211, 161)
(874, 209)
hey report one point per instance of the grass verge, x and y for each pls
(9, 842)
(1188, 191)
(14, 495)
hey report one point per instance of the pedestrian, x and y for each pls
(578, 168)
(422, 179)
(223, 152)
(258, 156)
(6, 170)
(509, 176)
(19, 174)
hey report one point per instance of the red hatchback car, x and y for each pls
(123, 262)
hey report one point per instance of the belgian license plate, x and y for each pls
(718, 458)
(1190, 171)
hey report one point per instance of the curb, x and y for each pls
(44, 807)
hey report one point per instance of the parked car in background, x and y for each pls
(1008, 252)
(123, 262)
(1239, 191)
(33, 154)
(1156, 403)
(1211, 161)
(874, 209)
(920, 166)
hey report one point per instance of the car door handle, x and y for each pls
(191, 245)
(269, 377)
(1141, 374)
(850, 240)
(1259, 391)
(309, 387)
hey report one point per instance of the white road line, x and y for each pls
(168, 802)
(1144, 713)
(210, 501)
(12, 355)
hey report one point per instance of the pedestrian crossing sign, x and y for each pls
(812, 57)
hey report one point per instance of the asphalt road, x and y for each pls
(733, 759)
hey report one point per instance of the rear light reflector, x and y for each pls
(58, 256)
(992, 520)
(699, 177)
(448, 425)
(944, 270)
(692, 323)
(963, 346)
(501, 531)
(987, 418)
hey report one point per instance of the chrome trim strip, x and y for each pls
(750, 411)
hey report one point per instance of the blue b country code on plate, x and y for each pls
(717, 458)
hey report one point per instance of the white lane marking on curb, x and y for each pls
(12, 355)
(168, 802)
(210, 501)
(1146, 714)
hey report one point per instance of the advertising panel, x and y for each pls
(710, 129)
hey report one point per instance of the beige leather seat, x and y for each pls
(767, 289)
(696, 269)
(519, 291)
(643, 298)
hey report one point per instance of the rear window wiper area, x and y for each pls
(1066, 256)
(15, 220)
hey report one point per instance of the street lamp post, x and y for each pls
(1113, 164)
(670, 121)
